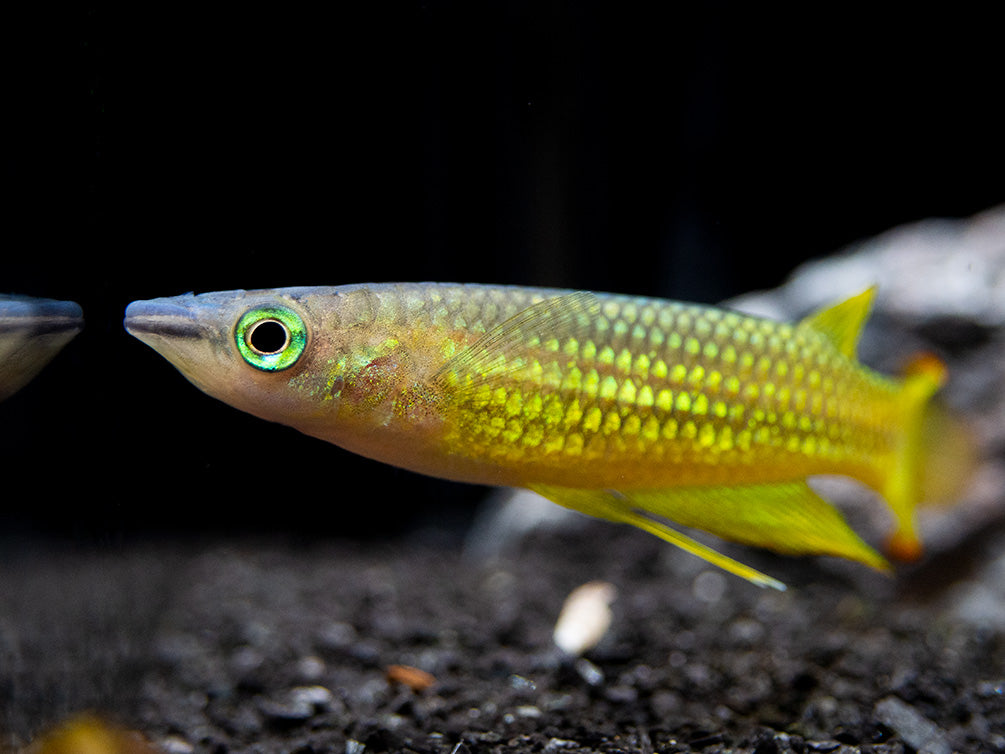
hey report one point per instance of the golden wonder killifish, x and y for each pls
(32, 332)
(636, 410)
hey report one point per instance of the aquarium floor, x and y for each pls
(246, 645)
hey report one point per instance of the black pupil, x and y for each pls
(268, 336)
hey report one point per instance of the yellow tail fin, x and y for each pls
(934, 458)
(949, 455)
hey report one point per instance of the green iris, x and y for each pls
(271, 338)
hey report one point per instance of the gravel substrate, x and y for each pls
(266, 647)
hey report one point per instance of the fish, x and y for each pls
(636, 410)
(32, 332)
(88, 734)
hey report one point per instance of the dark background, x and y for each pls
(692, 154)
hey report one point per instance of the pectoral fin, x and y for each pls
(502, 351)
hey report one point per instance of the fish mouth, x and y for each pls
(162, 318)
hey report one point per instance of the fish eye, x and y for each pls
(271, 338)
(267, 336)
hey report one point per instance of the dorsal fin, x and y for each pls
(842, 322)
(502, 350)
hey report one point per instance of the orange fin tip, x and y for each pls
(904, 547)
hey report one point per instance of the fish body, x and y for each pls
(32, 332)
(632, 409)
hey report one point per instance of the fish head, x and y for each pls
(32, 332)
(273, 353)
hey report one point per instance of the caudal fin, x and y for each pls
(949, 455)
(935, 457)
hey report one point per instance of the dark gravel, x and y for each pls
(243, 646)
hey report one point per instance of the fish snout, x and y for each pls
(40, 316)
(166, 318)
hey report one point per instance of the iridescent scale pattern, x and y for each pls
(663, 392)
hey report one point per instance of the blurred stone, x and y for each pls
(917, 731)
(927, 269)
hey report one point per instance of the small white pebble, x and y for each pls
(918, 731)
(585, 617)
(709, 586)
(316, 696)
(519, 683)
(175, 745)
(589, 672)
(557, 744)
(527, 710)
(311, 667)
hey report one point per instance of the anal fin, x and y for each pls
(612, 506)
(787, 517)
